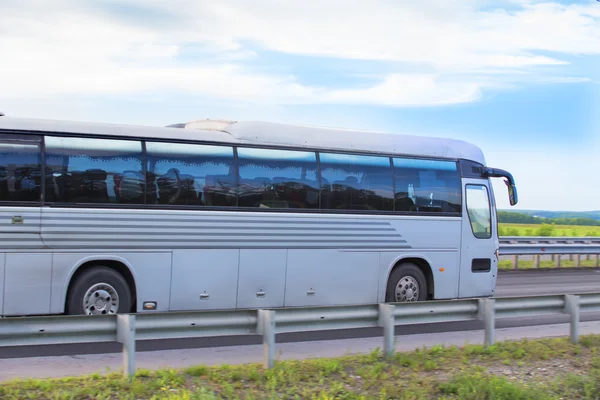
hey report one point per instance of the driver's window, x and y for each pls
(478, 208)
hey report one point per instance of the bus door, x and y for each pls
(479, 265)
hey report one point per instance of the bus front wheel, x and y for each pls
(99, 291)
(406, 283)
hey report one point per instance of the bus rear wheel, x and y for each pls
(406, 284)
(99, 291)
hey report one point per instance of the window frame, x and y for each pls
(458, 186)
(489, 209)
(246, 158)
(66, 204)
(148, 156)
(358, 154)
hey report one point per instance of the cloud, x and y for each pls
(410, 90)
(436, 51)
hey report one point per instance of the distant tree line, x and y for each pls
(509, 217)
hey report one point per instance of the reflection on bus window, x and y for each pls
(188, 174)
(426, 186)
(277, 179)
(20, 171)
(353, 182)
(82, 170)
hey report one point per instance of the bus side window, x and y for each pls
(20, 168)
(427, 185)
(190, 174)
(358, 182)
(272, 178)
(87, 170)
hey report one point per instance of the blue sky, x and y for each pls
(520, 78)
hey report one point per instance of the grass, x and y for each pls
(547, 230)
(529, 369)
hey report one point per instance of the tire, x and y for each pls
(109, 289)
(410, 275)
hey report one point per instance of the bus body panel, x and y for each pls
(331, 277)
(204, 279)
(339, 252)
(103, 228)
(261, 281)
(27, 283)
(20, 228)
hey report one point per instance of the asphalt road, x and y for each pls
(519, 283)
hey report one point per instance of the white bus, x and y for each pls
(207, 215)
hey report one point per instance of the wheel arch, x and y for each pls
(117, 264)
(425, 267)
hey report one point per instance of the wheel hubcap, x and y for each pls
(101, 299)
(407, 290)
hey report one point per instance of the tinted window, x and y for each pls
(478, 207)
(20, 169)
(471, 169)
(277, 179)
(352, 182)
(82, 170)
(188, 174)
(426, 185)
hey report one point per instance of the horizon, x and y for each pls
(518, 78)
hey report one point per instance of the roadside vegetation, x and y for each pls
(550, 217)
(509, 229)
(529, 369)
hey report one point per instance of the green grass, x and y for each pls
(547, 230)
(537, 369)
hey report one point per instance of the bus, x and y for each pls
(102, 219)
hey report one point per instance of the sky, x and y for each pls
(519, 78)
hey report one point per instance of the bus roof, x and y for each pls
(265, 133)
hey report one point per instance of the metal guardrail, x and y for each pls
(550, 239)
(127, 328)
(559, 249)
(542, 248)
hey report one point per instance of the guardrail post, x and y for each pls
(558, 257)
(536, 261)
(487, 313)
(515, 261)
(577, 260)
(387, 320)
(266, 328)
(126, 336)
(595, 260)
(572, 308)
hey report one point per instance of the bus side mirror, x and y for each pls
(512, 192)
